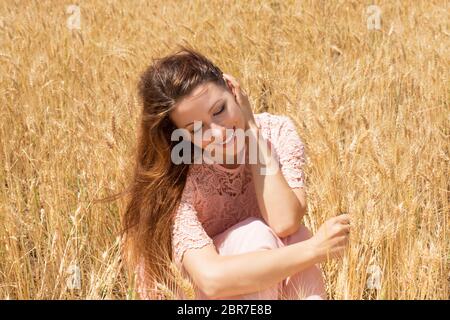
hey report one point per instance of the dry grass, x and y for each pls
(372, 106)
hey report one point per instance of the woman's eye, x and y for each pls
(218, 112)
(221, 110)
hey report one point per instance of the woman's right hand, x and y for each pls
(331, 240)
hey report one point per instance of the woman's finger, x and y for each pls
(230, 84)
(233, 81)
(345, 229)
(237, 90)
(343, 218)
(236, 85)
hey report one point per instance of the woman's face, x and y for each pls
(214, 108)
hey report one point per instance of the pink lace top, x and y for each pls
(215, 198)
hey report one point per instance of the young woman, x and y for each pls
(232, 227)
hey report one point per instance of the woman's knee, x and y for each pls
(251, 234)
(302, 234)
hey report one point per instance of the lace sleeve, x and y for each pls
(291, 153)
(187, 231)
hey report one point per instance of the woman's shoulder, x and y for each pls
(270, 123)
(267, 118)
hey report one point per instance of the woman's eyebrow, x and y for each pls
(209, 111)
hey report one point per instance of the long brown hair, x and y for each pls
(157, 183)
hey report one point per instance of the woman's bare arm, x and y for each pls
(280, 206)
(222, 276)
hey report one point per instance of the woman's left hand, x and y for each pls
(242, 100)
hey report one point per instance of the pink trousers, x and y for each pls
(253, 234)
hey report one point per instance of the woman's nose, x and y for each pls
(217, 133)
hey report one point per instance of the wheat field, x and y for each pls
(368, 87)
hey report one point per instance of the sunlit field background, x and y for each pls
(368, 88)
